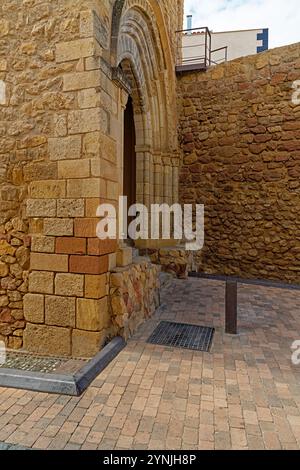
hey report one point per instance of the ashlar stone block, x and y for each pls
(41, 208)
(34, 308)
(70, 208)
(96, 286)
(87, 343)
(44, 339)
(60, 311)
(41, 282)
(69, 285)
(65, 148)
(58, 227)
(72, 50)
(91, 314)
(49, 262)
(81, 80)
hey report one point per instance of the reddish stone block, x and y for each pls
(27, 241)
(98, 247)
(71, 246)
(5, 316)
(85, 227)
(291, 146)
(262, 138)
(88, 264)
(291, 126)
(278, 78)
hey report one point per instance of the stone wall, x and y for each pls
(29, 103)
(240, 137)
(173, 13)
(41, 141)
(14, 265)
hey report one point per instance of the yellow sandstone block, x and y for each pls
(49, 262)
(91, 314)
(74, 169)
(72, 50)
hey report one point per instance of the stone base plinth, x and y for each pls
(134, 295)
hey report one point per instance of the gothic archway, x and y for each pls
(140, 49)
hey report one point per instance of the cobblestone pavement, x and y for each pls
(245, 394)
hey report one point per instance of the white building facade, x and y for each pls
(228, 45)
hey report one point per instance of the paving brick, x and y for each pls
(271, 441)
(79, 435)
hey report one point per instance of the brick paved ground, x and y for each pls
(245, 394)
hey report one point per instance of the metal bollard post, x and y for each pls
(231, 308)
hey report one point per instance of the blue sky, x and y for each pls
(282, 17)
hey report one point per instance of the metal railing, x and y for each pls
(220, 60)
(194, 50)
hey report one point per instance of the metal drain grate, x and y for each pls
(181, 335)
(28, 362)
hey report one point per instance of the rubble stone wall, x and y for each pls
(240, 138)
(134, 296)
(14, 265)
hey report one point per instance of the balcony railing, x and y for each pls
(194, 51)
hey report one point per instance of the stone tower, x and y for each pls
(67, 70)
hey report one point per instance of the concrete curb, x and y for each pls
(73, 385)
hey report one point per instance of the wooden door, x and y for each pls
(129, 176)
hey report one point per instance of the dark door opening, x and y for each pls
(129, 172)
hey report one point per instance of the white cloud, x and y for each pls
(282, 17)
